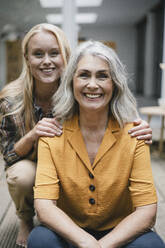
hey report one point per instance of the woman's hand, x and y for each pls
(90, 242)
(142, 131)
(47, 127)
(55, 218)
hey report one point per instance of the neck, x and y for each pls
(43, 93)
(93, 122)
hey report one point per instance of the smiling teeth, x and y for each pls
(47, 70)
(93, 95)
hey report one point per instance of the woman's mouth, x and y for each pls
(47, 70)
(92, 96)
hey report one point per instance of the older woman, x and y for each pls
(94, 185)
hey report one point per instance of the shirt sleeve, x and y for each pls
(141, 185)
(47, 182)
(8, 136)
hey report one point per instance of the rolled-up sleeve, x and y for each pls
(141, 181)
(47, 182)
(8, 136)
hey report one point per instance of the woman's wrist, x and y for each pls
(31, 137)
(25, 144)
(88, 241)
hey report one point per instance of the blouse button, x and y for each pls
(92, 187)
(92, 201)
(91, 175)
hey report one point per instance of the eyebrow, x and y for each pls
(103, 70)
(40, 48)
(85, 70)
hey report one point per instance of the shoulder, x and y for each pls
(115, 127)
(127, 127)
(121, 134)
(58, 142)
(133, 141)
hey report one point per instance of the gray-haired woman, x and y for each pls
(94, 185)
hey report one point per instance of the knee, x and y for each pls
(20, 182)
(148, 240)
(21, 175)
(43, 237)
(154, 240)
(38, 238)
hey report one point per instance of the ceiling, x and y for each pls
(21, 15)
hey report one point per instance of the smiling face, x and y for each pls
(92, 84)
(44, 58)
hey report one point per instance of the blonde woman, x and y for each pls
(26, 115)
(94, 185)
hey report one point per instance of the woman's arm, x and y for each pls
(143, 197)
(47, 127)
(132, 226)
(12, 145)
(53, 217)
(142, 131)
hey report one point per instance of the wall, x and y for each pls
(125, 38)
(2, 64)
(10, 61)
(149, 53)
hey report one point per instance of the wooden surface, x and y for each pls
(13, 60)
(154, 110)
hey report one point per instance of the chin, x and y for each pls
(49, 81)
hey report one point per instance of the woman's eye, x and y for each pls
(102, 76)
(54, 53)
(83, 75)
(38, 54)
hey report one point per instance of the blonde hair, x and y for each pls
(122, 105)
(20, 91)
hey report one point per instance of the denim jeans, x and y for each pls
(42, 237)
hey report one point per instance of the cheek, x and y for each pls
(110, 91)
(76, 90)
(33, 68)
(31, 63)
(59, 62)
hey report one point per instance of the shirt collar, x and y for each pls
(39, 112)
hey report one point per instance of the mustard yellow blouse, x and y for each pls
(95, 196)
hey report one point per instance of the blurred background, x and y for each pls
(135, 29)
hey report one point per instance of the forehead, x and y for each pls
(43, 39)
(92, 62)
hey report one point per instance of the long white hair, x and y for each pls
(122, 105)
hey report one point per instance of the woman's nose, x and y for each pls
(92, 83)
(46, 59)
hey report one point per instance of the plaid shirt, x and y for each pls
(12, 129)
